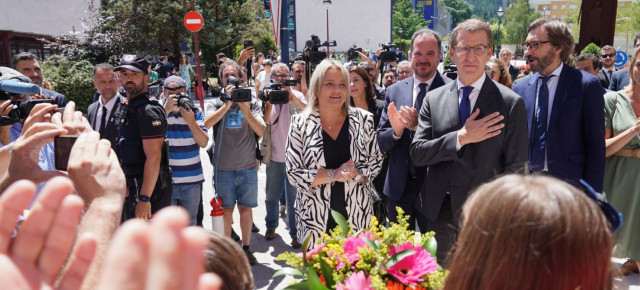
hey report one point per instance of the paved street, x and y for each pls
(266, 251)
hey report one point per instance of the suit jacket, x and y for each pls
(402, 94)
(575, 133)
(61, 100)
(111, 127)
(619, 80)
(604, 78)
(305, 155)
(459, 172)
(513, 71)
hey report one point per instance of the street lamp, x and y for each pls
(400, 32)
(544, 11)
(500, 14)
(327, 3)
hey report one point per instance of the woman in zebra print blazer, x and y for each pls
(326, 174)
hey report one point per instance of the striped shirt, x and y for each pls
(184, 152)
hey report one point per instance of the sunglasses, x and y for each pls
(611, 213)
(611, 55)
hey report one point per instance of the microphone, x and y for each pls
(17, 87)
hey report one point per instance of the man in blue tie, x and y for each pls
(469, 131)
(565, 108)
(398, 122)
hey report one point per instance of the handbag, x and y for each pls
(379, 206)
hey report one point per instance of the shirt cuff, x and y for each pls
(458, 146)
(395, 138)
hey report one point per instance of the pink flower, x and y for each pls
(357, 280)
(312, 252)
(351, 246)
(410, 270)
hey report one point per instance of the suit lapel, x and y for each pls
(407, 94)
(485, 98)
(451, 105)
(566, 79)
(530, 100)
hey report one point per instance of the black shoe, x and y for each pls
(295, 243)
(270, 234)
(254, 228)
(252, 259)
(235, 236)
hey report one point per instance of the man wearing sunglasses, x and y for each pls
(620, 79)
(608, 58)
(565, 108)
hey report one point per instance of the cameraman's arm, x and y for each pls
(196, 126)
(215, 117)
(253, 115)
(267, 113)
(244, 55)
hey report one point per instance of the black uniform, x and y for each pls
(140, 118)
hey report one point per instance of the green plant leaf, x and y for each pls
(341, 221)
(397, 257)
(371, 244)
(326, 271)
(431, 246)
(298, 286)
(287, 271)
(314, 281)
(304, 251)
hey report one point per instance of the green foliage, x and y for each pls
(485, 9)
(72, 79)
(628, 23)
(517, 18)
(447, 58)
(407, 19)
(592, 48)
(460, 10)
(403, 44)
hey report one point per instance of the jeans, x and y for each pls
(188, 197)
(277, 184)
(237, 186)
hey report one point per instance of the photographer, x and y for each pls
(186, 134)
(297, 73)
(236, 126)
(142, 125)
(278, 122)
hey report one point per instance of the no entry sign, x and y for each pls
(193, 21)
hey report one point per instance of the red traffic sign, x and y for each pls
(193, 21)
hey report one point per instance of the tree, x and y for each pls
(517, 18)
(591, 48)
(485, 9)
(72, 79)
(628, 22)
(407, 19)
(460, 10)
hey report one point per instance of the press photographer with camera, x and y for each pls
(186, 134)
(281, 102)
(237, 121)
(142, 125)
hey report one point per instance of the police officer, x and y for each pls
(141, 131)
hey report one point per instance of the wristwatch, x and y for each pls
(143, 198)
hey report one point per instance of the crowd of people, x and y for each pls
(511, 172)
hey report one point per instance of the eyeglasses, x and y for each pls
(281, 76)
(478, 49)
(611, 55)
(402, 72)
(534, 44)
(611, 213)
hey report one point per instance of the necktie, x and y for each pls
(465, 104)
(539, 140)
(103, 122)
(421, 94)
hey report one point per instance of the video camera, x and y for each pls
(387, 55)
(276, 95)
(451, 71)
(239, 94)
(352, 53)
(20, 110)
(312, 55)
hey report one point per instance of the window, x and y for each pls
(564, 7)
(573, 7)
(555, 7)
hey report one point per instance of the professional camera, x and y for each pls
(451, 71)
(239, 94)
(352, 53)
(183, 100)
(21, 111)
(276, 95)
(387, 55)
(216, 92)
(311, 53)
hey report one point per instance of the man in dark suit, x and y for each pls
(620, 79)
(607, 58)
(27, 64)
(399, 120)
(102, 113)
(565, 108)
(469, 131)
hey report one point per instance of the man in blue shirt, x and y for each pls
(27, 64)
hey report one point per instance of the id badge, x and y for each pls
(234, 120)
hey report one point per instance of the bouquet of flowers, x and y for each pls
(373, 258)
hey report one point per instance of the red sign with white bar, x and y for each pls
(193, 21)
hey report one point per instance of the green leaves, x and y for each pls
(431, 246)
(287, 271)
(397, 257)
(341, 221)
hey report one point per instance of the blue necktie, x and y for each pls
(421, 94)
(539, 140)
(465, 104)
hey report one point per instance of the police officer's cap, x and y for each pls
(133, 62)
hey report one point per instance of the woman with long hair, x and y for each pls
(186, 71)
(531, 232)
(621, 182)
(327, 175)
(498, 72)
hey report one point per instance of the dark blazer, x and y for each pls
(112, 128)
(61, 100)
(619, 80)
(604, 78)
(575, 134)
(398, 150)
(513, 71)
(459, 172)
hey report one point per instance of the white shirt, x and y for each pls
(109, 105)
(473, 97)
(552, 85)
(416, 88)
